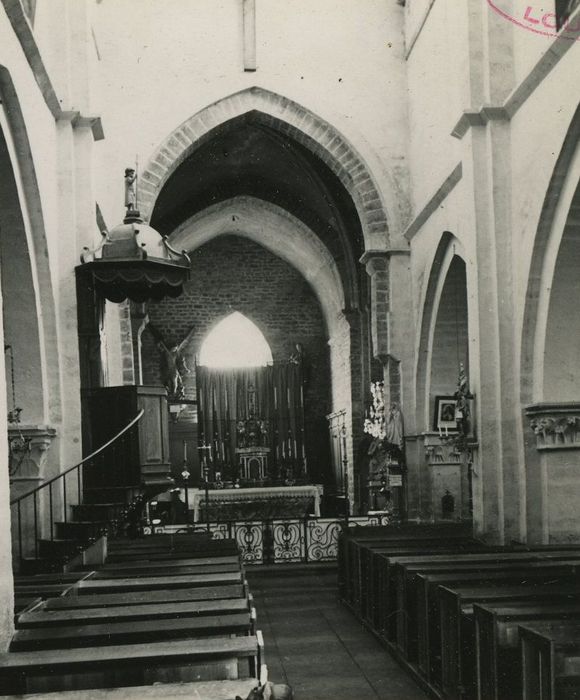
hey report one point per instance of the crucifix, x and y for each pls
(249, 36)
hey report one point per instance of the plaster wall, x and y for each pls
(340, 60)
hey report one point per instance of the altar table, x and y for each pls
(266, 493)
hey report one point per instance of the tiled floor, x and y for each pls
(317, 646)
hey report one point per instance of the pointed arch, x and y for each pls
(235, 341)
(448, 250)
(279, 232)
(288, 117)
(22, 163)
(557, 203)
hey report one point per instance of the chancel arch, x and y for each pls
(291, 119)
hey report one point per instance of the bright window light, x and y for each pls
(235, 342)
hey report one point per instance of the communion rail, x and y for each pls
(276, 541)
(56, 494)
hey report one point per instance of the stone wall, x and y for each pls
(233, 274)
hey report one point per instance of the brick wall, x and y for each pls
(234, 274)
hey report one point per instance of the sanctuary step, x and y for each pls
(426, 593)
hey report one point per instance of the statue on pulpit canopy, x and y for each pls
(130, 189)
(172, 363)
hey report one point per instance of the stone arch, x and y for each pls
(551, 228)
(282, 234)
(288, 117)
(31, 221)
(448, 250)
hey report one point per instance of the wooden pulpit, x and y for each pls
(141, 457)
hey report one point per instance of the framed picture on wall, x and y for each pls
(445, 414)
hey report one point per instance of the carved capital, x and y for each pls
(29, 445)
(555, 425)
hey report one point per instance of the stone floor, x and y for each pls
(316, 645)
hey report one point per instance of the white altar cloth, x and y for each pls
(196, 496)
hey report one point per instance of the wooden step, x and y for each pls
(151, 583)
(69, 602)
(59, 548)
(129, 664)
(146, 611)
(47, 590)
(98, 511)
(132, 632)
(83, 531)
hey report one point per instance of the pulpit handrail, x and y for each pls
(94, 454)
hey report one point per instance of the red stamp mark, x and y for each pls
(536, 18)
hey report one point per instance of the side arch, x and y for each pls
(555, 211)
(449, 247)
(14, 126)
(289, 118)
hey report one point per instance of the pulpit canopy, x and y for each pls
(136, 262)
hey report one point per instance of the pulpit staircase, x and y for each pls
(60, 524)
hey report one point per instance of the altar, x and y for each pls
(261, 503)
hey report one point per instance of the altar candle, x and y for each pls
(295, 449)
(185, 451)
(275, 398)
(283, 449)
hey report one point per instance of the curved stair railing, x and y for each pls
(32, 502)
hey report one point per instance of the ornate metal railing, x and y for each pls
(30, 520)
(284, 540)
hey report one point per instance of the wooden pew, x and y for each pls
(428, 620)
(143, 611)
(374, 564)
(151, 583)
(144, 597)
(550, 660)
(404, 574)
(135, 566)
(351, 539)
(130, 664)
(457, 639)
(360, 552)
(498, 670)
(156, 570)
(134, 632)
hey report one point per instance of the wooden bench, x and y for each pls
(151, 583)
(350, 541)
(104, 600)
(130, 664)
(201, 690)
(550, 660)
(350, 549)
(428, 617)
(135, 566)
(143, 611)
(403, 584)
(457, 639)
(156, 570)
(499, 669)
(105, 634)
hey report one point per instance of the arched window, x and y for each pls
(235, 342)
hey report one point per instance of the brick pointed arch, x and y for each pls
(289, 118)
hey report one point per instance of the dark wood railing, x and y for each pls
(57, 489)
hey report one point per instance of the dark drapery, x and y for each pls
(272, 395)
